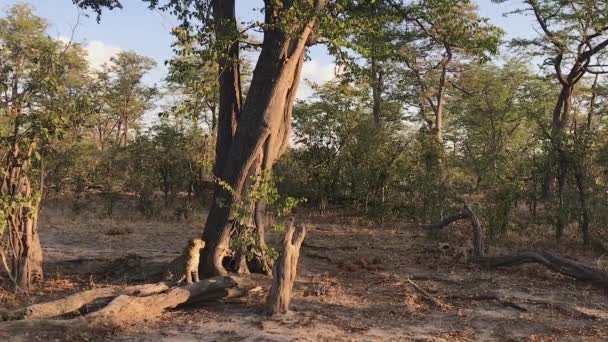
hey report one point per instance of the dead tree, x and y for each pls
(284, 271)
(552, 261)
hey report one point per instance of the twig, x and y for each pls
(426, 295)
(318, 256)
(495, 297)
(308, 245)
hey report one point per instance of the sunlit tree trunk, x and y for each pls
(21, 249)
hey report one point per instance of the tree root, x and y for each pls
(552, 261)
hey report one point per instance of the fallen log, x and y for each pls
(143, 303)
(74, 302)
(552, 261)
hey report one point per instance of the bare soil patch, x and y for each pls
(357, 282)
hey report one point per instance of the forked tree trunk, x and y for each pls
(263, 127)
(20, 251)
(285, 271)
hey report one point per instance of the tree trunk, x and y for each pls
(217, 238)
(559, 123)
(447, 58)
(584, 206)
(230, 96)
(377, 85)
(260, 263)
(21, 252)
(263, 126)
(284, 271)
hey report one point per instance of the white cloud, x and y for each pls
(315, 72)
(99, 53)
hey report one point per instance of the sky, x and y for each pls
(148, 32)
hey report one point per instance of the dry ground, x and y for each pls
(352, 286)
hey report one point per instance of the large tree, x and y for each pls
(251, 134)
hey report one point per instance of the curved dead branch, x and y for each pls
(552, 261)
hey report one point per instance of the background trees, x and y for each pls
(40, 82)
(423, 114)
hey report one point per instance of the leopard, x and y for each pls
(185, 267)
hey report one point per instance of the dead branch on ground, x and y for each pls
(552, 261)
(427, 295)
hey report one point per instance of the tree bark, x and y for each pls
(230, 96)
(224, 12)
(447, 58)
(284, 271)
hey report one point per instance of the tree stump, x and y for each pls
(284, 271)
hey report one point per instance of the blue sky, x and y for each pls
(147, 32)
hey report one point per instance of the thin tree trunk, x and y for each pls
(447, 58)
(377, 85)
(229, 81)
(216, 233)
(561, 117)
(585, 213)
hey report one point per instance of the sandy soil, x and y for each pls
(353, 285)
